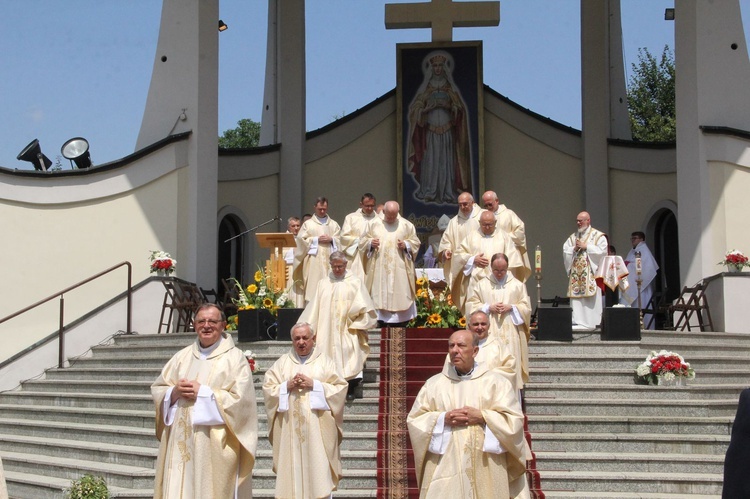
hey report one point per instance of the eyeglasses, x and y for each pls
(210, 322)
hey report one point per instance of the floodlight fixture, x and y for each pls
(222, 26)
(669, 14)
(77, 150)
(33, 154)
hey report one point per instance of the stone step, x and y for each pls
(581, 494)
(350, 459)
(601, 407)
(370, 389)
(156, 360)
(631, 482)
(624, 375)
(119, 475)
(142, 419)
(145, 437)
(353, 479)
(630, 443)
(267, 350)
(105, 374)
(118, 435)
(27, 485)
(629, 424)
(102, 452)
(620, 461)
(132, 402)
(565, 360)
(643, 347)
(632, 391)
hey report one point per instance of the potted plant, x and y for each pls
(735, 261)
(162, 263)
(435, 311)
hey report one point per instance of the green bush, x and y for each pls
(88, 487)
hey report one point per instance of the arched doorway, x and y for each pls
(666, 251)
(230, 255)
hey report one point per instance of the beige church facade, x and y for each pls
(177, 194)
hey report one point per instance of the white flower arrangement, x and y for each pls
(161, 260)
(665, 364)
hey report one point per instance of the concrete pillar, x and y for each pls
(712, 82)
(603, 100)
(284, 114)
(185, 79)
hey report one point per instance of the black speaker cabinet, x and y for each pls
(255, 325)
(554, 324)
(621, 324)
(288, 317)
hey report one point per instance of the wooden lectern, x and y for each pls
(276, 266)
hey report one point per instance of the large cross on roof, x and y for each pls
(442, 16)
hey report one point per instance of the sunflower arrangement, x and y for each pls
(435, 311)
(256, 295)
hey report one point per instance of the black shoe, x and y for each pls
(350, 392)
(355, 390)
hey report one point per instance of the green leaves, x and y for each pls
(651, 97)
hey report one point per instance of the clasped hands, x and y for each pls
(185, 389)
(500, 308)
(325, 239)
(464, 416)
(580, 245)
(375, 244)
(299, 382)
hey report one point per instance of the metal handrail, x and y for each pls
(61, 331)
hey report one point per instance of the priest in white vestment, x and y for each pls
(317, 239)
(340, 313)
(304, 398)
(296, 293)
(508, 221)
(472, 260)
(505, 300)
(391, 246)
(206, 417)
(583, 252)
(649, 268)
(466, 430)
(354, 227)
(459, 227)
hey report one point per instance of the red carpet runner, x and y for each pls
(408, 357)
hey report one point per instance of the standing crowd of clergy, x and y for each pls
(466, 425)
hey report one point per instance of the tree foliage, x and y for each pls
(651, 97)
(247, 134)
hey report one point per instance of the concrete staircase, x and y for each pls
(599, 435)
(596, 433)
(97, 417)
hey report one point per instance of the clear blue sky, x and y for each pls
(82, 67)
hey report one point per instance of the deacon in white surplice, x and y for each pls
(304, 397)
(466, 430)
(649, 268)
(505, 300)
(391, 246)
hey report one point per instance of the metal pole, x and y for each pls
(60, 338)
